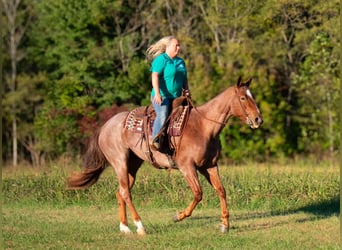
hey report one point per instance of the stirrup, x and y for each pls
(155, 143)
(172, 162)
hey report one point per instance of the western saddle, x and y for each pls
(141, 119)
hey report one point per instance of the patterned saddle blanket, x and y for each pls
(139, 117)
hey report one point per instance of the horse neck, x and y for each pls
(216, 112)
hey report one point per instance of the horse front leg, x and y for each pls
(193, 182)
(213, 177)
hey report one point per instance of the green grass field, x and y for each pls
(271, 207)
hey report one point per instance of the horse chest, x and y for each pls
(204, 151)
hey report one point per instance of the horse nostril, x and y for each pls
(258, 120)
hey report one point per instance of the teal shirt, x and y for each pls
(172, 74)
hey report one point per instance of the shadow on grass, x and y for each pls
(323, 209)
(241, 223)
(319, 210)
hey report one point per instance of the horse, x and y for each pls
(198, 151)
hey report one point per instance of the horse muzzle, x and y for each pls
(255, 123)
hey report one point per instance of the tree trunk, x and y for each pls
(15, 143)
(330, 125)
(15, 36)
(13, 52)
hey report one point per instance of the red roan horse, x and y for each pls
(197, 150)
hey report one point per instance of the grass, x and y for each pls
(96, 228)
(271, 207)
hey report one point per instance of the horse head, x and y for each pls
(243, 105)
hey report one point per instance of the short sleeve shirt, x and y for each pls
(172, 74)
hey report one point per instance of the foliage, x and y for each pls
(318, 86)
(78, 58)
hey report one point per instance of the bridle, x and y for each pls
(214, 121)
(225, 122)
(250, 122)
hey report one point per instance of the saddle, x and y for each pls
(141, 120)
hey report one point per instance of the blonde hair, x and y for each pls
(159, 47)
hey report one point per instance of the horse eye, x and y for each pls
(243, 98)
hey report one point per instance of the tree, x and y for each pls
(90, 55)
(85, 57)
(317, 85)
(18, 15)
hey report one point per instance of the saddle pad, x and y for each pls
(135, 120)
(178, 120)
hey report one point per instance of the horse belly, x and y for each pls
(140, 148)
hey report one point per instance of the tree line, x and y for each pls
(69, 65)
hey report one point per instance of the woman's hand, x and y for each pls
(157, 99)
(186, 93)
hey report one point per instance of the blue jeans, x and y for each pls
(162, 112)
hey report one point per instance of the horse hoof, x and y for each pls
(223, 229)
(175, 218)
(141, 231)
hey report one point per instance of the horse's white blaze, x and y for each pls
(249, 93)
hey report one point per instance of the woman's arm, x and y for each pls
(155, 83)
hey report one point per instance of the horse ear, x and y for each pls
(239, 82)
(248, 82)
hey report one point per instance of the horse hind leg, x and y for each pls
(113, 144)
(123, 227)
(122, 214)
(124, 199)
(123, 195)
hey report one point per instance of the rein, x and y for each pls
(192, 104)
(222, 123)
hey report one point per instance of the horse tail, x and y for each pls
(94, 162)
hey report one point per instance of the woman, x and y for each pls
(169, 79)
